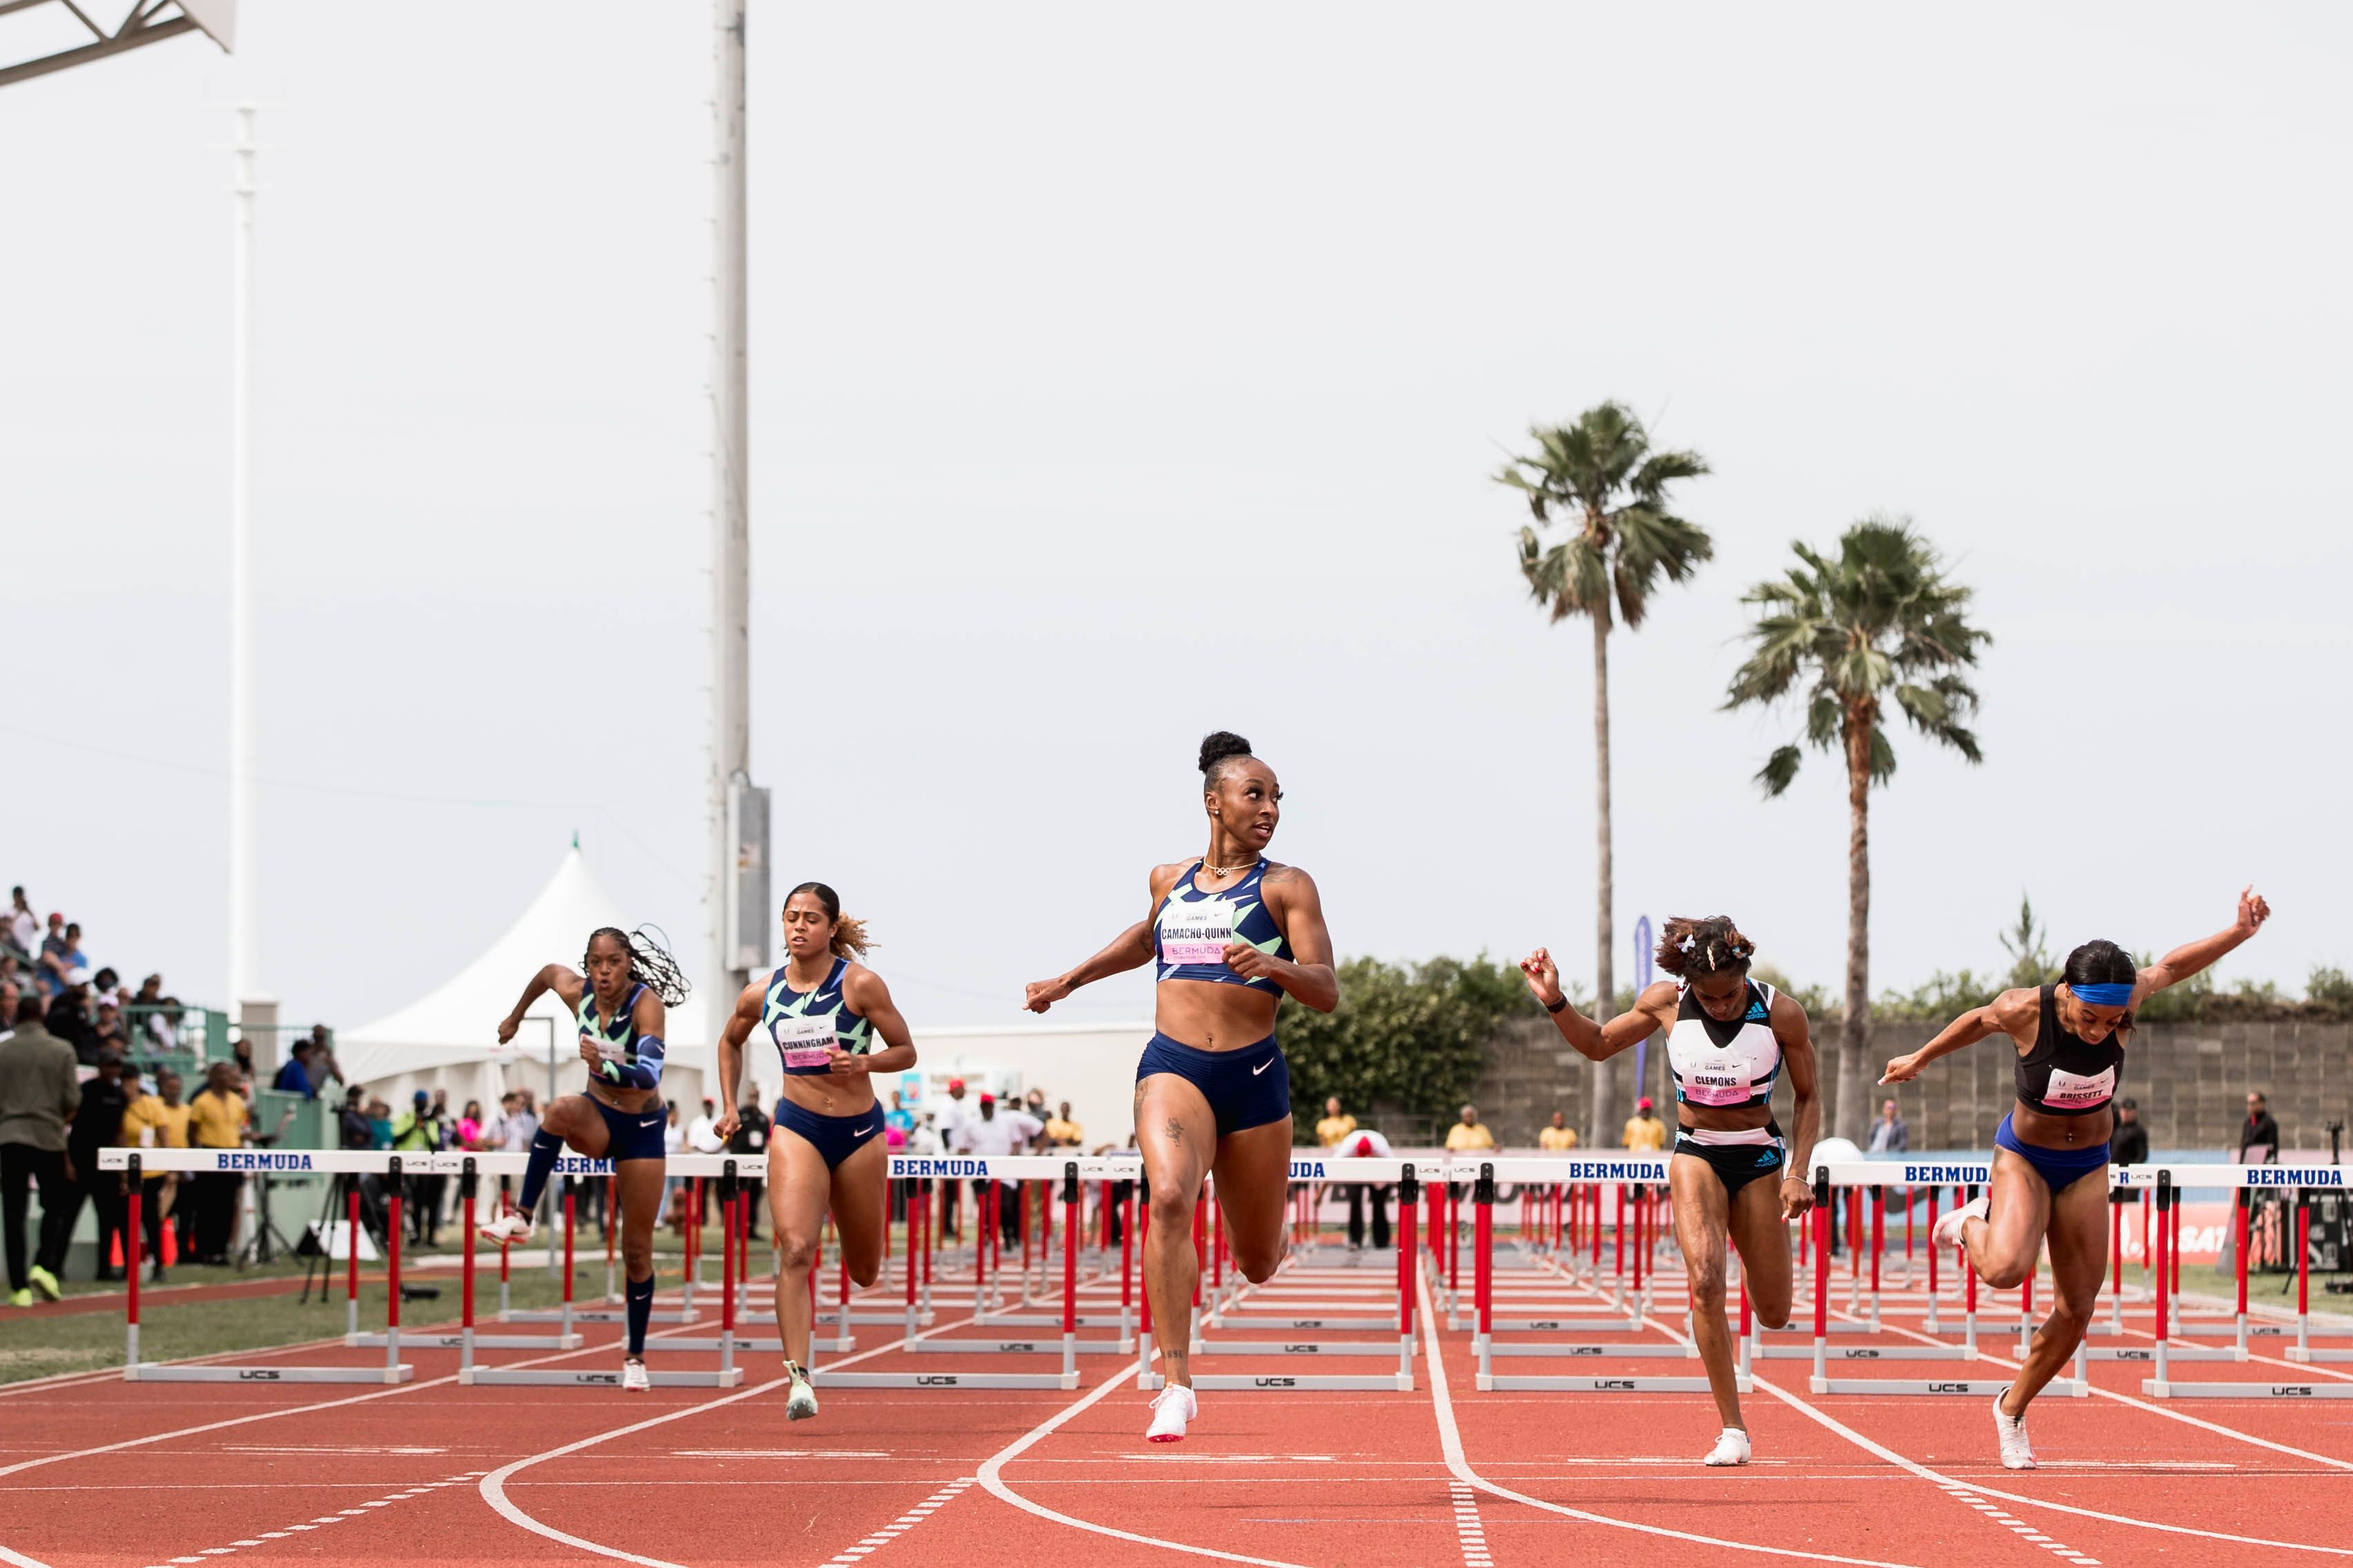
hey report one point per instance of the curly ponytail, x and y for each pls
(1707, 945)
(850, 938)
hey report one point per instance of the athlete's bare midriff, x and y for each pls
(1208, 1016)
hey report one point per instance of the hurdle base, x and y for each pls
(1568, 1325)
(441, 1341)
(165, 1372)
(1967, 1387)
(542, 1377)
(2172, 1353)
(1602, 1352)
(1861, 1352)
(821, 1378)
(1298, 1347)
(2299, 1355)
(1535, 1384)
(924, 1342)
(599, 1315)
(1299, 1383)
(2248, 1390)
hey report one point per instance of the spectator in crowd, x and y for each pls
(157, 1013)
(1364, 1143)
(418, 1131)
(899, 1116)
(68, 1017)
(952, 1118)
(99, 1125)
(2259, 1135)
(158, 1120)
(1335, 1125)
(240, 1052)
(990, 1134)
(1889, 1135)
(703, 1138)
(1033, 1106)
(379, 1115)
(39, 1089)
(105, 986)
(57, 958)
(24, 927)
(217, 1119)
(1062, 1131)
(1468, 1132)
(519, 1124)
(1556, 1134)
(469, 1126)
(294, 1073)
(2129, 1144)
(111, 1033)
(751, 1139)
(925, 1137)
(10, 992)
(352, 1127)
(323, 1065)
(1645, 1133)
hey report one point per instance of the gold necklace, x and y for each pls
(1229, 870)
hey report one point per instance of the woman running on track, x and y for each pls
(2070, 1044)
(620, 1008)
(1728, 1037)
(1234, 934)
(834, 1024)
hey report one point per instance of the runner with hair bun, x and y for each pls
(1728, 1038)
(621, 1008)
(2068, 1039)
(834, 1026)
(1234, 933)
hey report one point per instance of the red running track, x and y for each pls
(96, 1473)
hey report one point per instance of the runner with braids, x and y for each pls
(834, 1026)
(2069, 1040)
(620, 1007)
(1234, 933)
(1728, 1037)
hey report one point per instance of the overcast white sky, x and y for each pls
(1119, 376)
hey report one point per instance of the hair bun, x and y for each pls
(1216, 748)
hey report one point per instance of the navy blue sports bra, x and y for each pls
(804, 1022)
(1191, 929)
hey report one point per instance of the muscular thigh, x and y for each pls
(2078, 1234)
(1762, 1238)
(860, 1201)
(1253, 1171)
(639, 1185)
(2019, 1211)
(1702, 1214)
(799, 1186)
(1175, 1132)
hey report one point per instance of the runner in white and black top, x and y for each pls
(2069, 1040)
(1729, 1038)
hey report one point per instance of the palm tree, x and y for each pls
(1599, 478)
(1880, 622)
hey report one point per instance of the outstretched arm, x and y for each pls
(1129, 950)
(2005, 1014)
(2192, 956)
(1593, 1041)
(555, 977)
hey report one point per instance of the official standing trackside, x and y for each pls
(1000, 1135)
(1364, 1143)
(751, 1138)
(157, 1120)
(2130, 1144)
(217, 1119)
(37, 1092)
(1559, 1136)
(96, 1126)
(952, 1118)
(1644, 1132)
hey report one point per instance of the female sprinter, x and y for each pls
(1728, 1037)
(2070, 1043)
(620, 1007)
(824, 1015)
(1234, 933)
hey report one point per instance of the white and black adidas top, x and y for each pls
(1726, 1065)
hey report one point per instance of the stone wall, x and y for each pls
(2192, 1081)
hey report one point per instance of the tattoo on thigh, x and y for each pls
(1175, 1130)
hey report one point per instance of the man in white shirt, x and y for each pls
(993, 1133)
(1364, 1143)
(951, 1120)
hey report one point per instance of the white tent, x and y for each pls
(448, 1037)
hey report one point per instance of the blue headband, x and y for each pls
(2102, 996)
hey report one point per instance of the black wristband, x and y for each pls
(1557, 1007)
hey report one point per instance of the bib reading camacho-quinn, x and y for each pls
(807, 1025)
(1191, 929)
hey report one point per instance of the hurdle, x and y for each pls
(469, 1168)
(2302, 1350)
(2166, 1180)
(572, 1168)
(135, 1163)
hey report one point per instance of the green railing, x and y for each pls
(188, 1040)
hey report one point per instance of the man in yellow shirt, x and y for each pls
(217, 1119)
(1645, 1133)
(156, 1121)
(1335, 1125)
(1559, 1136)
(1062, 1132)
(1470, 1133)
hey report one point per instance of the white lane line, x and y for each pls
(234, 1546)
(899, 1526)
(493, 1485)
(1467, 1528)
(1923, 1471)
(1450, 1438)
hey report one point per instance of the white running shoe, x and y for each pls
(1732, 1449)
(1172, 1407)
(800, 1400)
(1948, 1230)
(2017, 1453)
(509, 1229)
(633, 1377)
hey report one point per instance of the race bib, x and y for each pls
(607, 1051)
(806, 1042)
(1197, 933)
(2071, 1091)
(1716, 1089)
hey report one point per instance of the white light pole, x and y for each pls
(731, 541)
(243, 924)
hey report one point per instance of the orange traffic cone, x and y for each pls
(114, 1259)
(171, 1244)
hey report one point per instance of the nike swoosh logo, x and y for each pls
(864, 1130)
(1262, 1067)
(657, 1121)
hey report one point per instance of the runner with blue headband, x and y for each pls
(2069, 1038)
